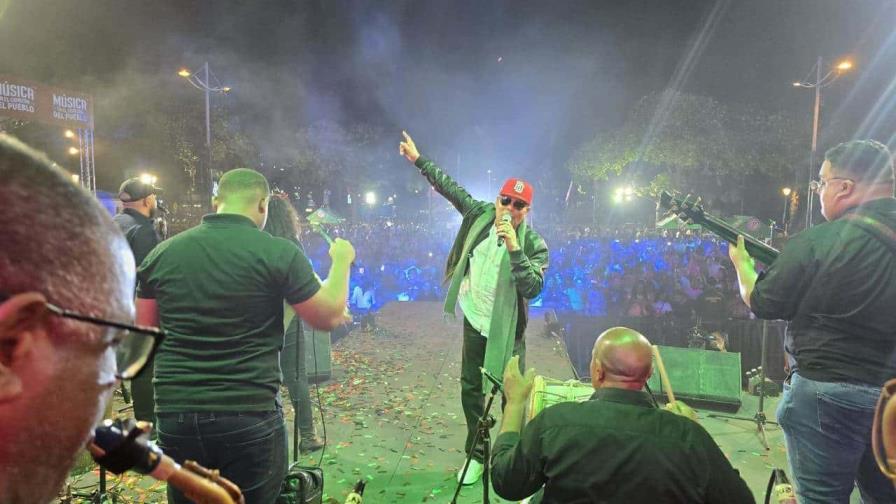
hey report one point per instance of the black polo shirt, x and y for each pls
(614, 448)
(836, 284)
(139, 231)
(220, 288)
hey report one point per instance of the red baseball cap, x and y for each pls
(519, 189)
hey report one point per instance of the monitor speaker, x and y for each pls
(701, 378)
(318, 358)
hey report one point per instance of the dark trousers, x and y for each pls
(472, 398)
(142, 394)
(249, 448)
(295, 376)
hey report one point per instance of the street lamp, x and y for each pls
(203, 84)
(623, 194)
(69, 133)
(786, 192)
(73, 150)
(820, 82)
(370, 198)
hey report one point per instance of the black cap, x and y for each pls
(135, 190)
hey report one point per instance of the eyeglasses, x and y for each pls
(134, 345)
(507, 200)
(818, 185)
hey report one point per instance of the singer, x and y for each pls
(496, 264)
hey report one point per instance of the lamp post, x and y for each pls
(820, 82)
(786, 192)
(203, 84)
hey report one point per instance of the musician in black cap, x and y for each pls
(140, 203)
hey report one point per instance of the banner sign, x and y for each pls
(29, 101)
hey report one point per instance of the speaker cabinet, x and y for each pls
(318, 358)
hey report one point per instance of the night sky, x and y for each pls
(515, 86)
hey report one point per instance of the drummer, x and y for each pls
(616, 447)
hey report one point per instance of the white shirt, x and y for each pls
(477, 290)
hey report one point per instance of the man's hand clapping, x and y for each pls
(516, 386)
(408, 149)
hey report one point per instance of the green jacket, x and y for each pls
(527, 265)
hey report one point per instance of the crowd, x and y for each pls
(600, 272)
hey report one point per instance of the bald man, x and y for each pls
(615, 447)
(218, 290)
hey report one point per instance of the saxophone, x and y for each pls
(122, 445)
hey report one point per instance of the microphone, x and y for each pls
(357, 493)
(782, 491)
(504, 218)
(496, 382)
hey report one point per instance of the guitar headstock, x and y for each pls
(689, 208)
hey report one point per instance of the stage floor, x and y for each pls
(393, 416)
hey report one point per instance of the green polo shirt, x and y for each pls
(220, 288)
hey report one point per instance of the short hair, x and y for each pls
(242, 185)
(56, 235)
(868, 161)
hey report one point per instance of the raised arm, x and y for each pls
(326, 309)
(445, 185)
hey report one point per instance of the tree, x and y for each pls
(694, 143)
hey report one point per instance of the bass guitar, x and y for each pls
(692, 211)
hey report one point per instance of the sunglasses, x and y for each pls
(134, 345)
(507, 200)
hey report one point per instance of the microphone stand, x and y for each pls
(759, 418)
(486, 422)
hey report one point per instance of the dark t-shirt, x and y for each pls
(836, 284)
(614, 448)
(220, 288)
(139, 232)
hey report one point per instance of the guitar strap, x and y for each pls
(875, 227)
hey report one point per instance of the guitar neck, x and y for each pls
(757, 249)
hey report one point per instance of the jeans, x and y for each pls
(472, 398)
(827, 429)
(249, 448)
(295, 377)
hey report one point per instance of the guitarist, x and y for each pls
(836, 284)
